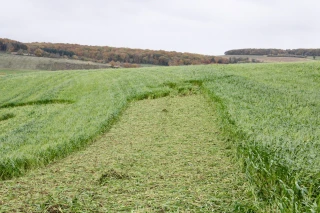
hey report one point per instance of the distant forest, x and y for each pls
(125, 57)
(12, 46)
(275, 52)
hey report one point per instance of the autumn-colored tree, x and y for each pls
(20, 52)
(75, 57)
(112, 63)
(9, 47)
(38, 52)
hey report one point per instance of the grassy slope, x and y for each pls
(17, 62)
(272, 110)
(163, 155)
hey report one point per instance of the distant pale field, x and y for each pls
(269, 113)
(18, 62)
(270, 59)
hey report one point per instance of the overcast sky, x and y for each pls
(198, 26)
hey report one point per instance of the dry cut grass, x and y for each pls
(163, 155)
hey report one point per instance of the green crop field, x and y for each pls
(266, 116)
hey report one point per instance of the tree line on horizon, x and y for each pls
(12, 46)
(275, 52)
(104, 54)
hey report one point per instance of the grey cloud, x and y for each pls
(202, 26)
